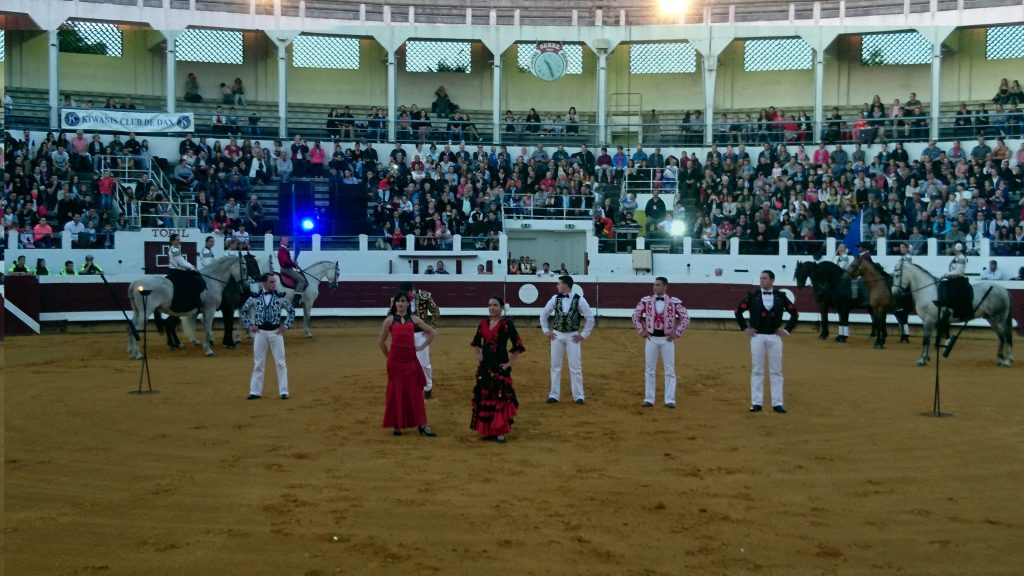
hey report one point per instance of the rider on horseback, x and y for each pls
(290, 269)
(955, 291)
(182, 273)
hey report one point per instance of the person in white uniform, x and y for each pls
(766, 307)
(176, 259)
(206, 255)
(262, 316)
(560, 322)
(660, 319)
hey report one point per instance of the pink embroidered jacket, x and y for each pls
(673, 321)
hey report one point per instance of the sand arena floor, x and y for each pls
(197, 480)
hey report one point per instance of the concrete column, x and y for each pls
(53, 48)
(936, 88)
(282, 38)
(819, 92)
(496, 100)
(172, 85)
(710, 77)
(602, 98)
(392, 96)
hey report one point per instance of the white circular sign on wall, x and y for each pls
(528, 293)
(577, 290)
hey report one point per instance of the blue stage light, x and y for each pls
(307, 224)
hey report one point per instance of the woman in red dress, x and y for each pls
(404, 407)
(494, 398)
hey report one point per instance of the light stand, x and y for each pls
(936, 403)
(145, 345)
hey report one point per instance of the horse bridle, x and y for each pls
(243, 269)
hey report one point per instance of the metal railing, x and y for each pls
(145, 214)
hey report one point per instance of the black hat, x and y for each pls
(866, 246)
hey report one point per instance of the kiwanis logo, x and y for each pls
(184, 122)
(72, 119)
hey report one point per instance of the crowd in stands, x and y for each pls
(961, 194)
(62, 184)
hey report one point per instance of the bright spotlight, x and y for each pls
(307, 224)
(672, 6)
(678, 228)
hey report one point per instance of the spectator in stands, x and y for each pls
(192, 89)
(533, 121)
(226, 95)
(233, 123)
(42, 234)
(61, 163)
(89, 267)
(238, 92)
(219, 121)
(442, 105)
(300, 157)
(376, 125)
(75, 228)
(184, 177)
(317, 157)
(127, 104)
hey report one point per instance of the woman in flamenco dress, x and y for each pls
(497, 344)
(404, 406)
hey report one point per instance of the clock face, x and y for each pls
(549, 66)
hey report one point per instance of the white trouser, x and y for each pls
(653, 347)
(760, 346)
(424, 357)
(560, 346)
(260, 342)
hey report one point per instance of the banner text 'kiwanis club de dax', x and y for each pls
(126, 121)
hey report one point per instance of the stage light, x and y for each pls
(307, 224)
(678, 228)
(672, 6)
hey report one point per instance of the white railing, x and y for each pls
(146, 214)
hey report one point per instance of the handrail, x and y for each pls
(161, 214)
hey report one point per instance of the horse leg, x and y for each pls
(172, 333)
(926, 343)
(208, 315)
(229, 327)
(307, 318)
(823, 332)
(844, 324)
(133, 344)
(1005, 343)
(188, 326)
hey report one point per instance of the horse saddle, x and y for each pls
(957, 294)
(188, 290)
(287, 281)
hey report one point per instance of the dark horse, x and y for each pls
(833, 289)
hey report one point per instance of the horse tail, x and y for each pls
(158, 319)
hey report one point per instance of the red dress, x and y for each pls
(494, 398)
(404, 407)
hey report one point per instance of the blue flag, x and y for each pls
(852, 240)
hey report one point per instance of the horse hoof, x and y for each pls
(921, 363)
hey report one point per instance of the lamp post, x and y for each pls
(144, 292)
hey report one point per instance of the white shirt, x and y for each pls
(205, 257)
(768, 300)
(178, 260)
(988, 274)
(548, 274)
(585, 311)
(958, 267)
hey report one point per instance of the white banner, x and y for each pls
(125, 121)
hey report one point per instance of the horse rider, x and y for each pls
(206, 255)
(177, 258)
(904, 301)
(857, 285)
(291, 269)
(954, 290)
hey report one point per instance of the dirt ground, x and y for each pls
(197, 480)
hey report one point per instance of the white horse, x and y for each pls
(993, 306)
(217, 275)
(315, 273)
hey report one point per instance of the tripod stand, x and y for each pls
(145, 345)
(936, 402)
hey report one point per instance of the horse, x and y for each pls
(991, 302)
(323, 270)
(880, 296)
(218, 274)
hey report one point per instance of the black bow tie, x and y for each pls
(660, 298)
(767, 293)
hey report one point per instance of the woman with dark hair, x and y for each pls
(41, 269)
(497, 344)
(404, 406)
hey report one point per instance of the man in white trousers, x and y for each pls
(560, 322)
(766, 307)
(660, 319)
(422, 304)
(262, 316)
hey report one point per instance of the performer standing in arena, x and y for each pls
(422, 304)
(404, 406)
(560, 322)
(290, 268)
(766, 307)
(660, 319)
(494, 398)
(261, 314)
